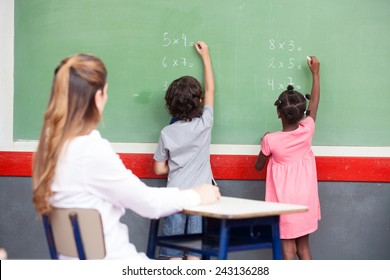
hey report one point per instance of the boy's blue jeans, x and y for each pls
(178, 224)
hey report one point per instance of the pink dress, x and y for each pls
(292, 177)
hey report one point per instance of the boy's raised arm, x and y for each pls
(203, 51)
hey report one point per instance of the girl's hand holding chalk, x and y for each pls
(313, 63)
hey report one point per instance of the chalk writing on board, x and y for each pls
(170, 61)
(176, 62)
(279, 63)
(174, 42)
(181, 40)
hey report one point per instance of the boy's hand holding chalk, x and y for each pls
(202, 48)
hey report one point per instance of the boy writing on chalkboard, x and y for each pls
(183, 151)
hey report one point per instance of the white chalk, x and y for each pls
(308, 58)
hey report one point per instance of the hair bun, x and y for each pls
(308, 96)
(290, 88)
(278, 102)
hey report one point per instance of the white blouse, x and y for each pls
(89, 174)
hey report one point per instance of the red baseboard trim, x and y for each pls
(232, 167)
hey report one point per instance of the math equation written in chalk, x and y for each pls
(285, 57)
(173, 61)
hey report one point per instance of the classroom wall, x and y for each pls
(355, 223)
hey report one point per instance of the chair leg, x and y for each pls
(50, 237)
(77, 236)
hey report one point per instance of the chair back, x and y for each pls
(75, 232)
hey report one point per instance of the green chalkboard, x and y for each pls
(257, 48)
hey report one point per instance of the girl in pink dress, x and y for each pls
(291, 171)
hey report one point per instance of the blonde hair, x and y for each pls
(71, 112)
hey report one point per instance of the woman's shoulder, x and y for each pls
(90, 144)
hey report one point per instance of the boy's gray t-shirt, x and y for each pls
(186, 146)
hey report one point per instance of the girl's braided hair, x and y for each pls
(292, 104)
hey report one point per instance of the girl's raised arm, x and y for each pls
(314, 66)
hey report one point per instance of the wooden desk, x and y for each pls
(232, 224)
